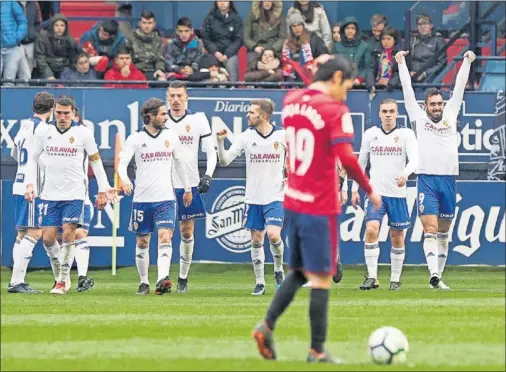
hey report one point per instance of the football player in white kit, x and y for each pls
(436, 131)
(265, 148)
(26, 214)
(62, 189)
(192, 129)
(154, 208)
(388, 147)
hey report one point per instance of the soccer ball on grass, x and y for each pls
(388, 345)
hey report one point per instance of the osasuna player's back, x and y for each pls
(312, 122)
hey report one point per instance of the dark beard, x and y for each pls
(434, 119)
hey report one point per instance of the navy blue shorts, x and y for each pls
(26, 214)
(437, 195)
(146, 217)
(196, 210)
(257, 217)
(395, 208)
(58, 213)
(313, 242)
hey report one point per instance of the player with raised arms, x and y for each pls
(26, 214)
(264, 145)
(388, 147)
(154, 208)
(63, 188)
(192, 129)
(319, 130)
(436, 130)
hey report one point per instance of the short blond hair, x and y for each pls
(265, 105)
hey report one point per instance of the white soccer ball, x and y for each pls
(388, 345)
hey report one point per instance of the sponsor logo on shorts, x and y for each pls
(225, 221)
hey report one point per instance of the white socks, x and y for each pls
(258, 259)
(185, 259)
(66, 260)
(371, 254)
(430, 248)
(396, 261)
(142, 263)
(164, 259)
(277, 250)
(82, 256)
(442, 250)
(22, 253)
(53, 253)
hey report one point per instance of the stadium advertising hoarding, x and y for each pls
(112, 111)
(478, 232)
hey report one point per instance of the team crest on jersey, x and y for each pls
(71, 139)
(135, 225)
(225, 220)
(421, 208)
(167, 143)
(276, 145)
(445, 123)
(40, 220)
(396, 139)
(187, 127)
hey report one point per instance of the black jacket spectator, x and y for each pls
(54, 48)
(265, 29)
(223, 33)
(80, 70)
(33, 18)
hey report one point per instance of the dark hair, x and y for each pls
(267, 49)
(147, 14)
(78, 116)
(266, 105)
(431, 92)
(176, 84)
(338, 63)
(390, 31)
(184, 21)
(110, 26)
(151, 107)
(387, 101)
(79, 56)
(309, 13)
(122, 50)
(230, 9)
(337, 24)
(65, 100)
(43, 102)
(423, 16)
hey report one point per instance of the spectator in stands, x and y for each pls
(123, 69)
(315, 18)
(46, 9)
(183, 53)
(266, 68)
(210, 70)
(55, 48)
(336, 35)
(385, 68)
(104, 39)
(28, 43)
(302, 47)
(223, 34)
(13, 30)
(147, 48)
(265, 27)
(80, 70)
(378, 24)
(424, 46)
(357, 51)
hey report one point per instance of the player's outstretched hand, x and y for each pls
(375, 199)
(401, 180)
(344, 197)
(204, 184)
(127, 186)
(355, 199)
(400, 56)
(187, 198)
(221, 135)
(470, 56)
(29, 194)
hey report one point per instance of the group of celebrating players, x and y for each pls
(291, 183)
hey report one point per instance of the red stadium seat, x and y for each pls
(242, 56)
(85, 9)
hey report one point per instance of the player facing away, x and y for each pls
(388, 147)
(264, 145)
(319, 130)
(64, 145)
(436, 131)
(192, 129)
(154, 208)
(26, 214)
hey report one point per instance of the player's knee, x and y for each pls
(430, 229)
(142, 242)
(49, 241)
(397, 237)
(165, 237)
(371, 233)
(273, 236)
(187, 234)
(81, 234)
(35, 234)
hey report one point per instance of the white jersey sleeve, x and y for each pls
(125, 156)
(411, 152)
(453, 105)
(412, 107)
(34, 148)
(228, 156)
(363, 156)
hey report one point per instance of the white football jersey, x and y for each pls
(20, 151)
(153, 159)
(437, 142)
(65, 176)
(191, 129)
(388, 153)
(265, 162)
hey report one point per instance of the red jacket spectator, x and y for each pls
(123, 69)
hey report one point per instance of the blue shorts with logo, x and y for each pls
(437, 195)
(395, 208)
(313, 242)
(196, 210)
(148, 217)
(85, 221)
(26, 214)
(58, 213)
(257, 217)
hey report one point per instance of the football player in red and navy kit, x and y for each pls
(319, 130)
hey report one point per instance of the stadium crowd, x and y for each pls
(280, 47)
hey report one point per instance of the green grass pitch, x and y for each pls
(209, 328)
